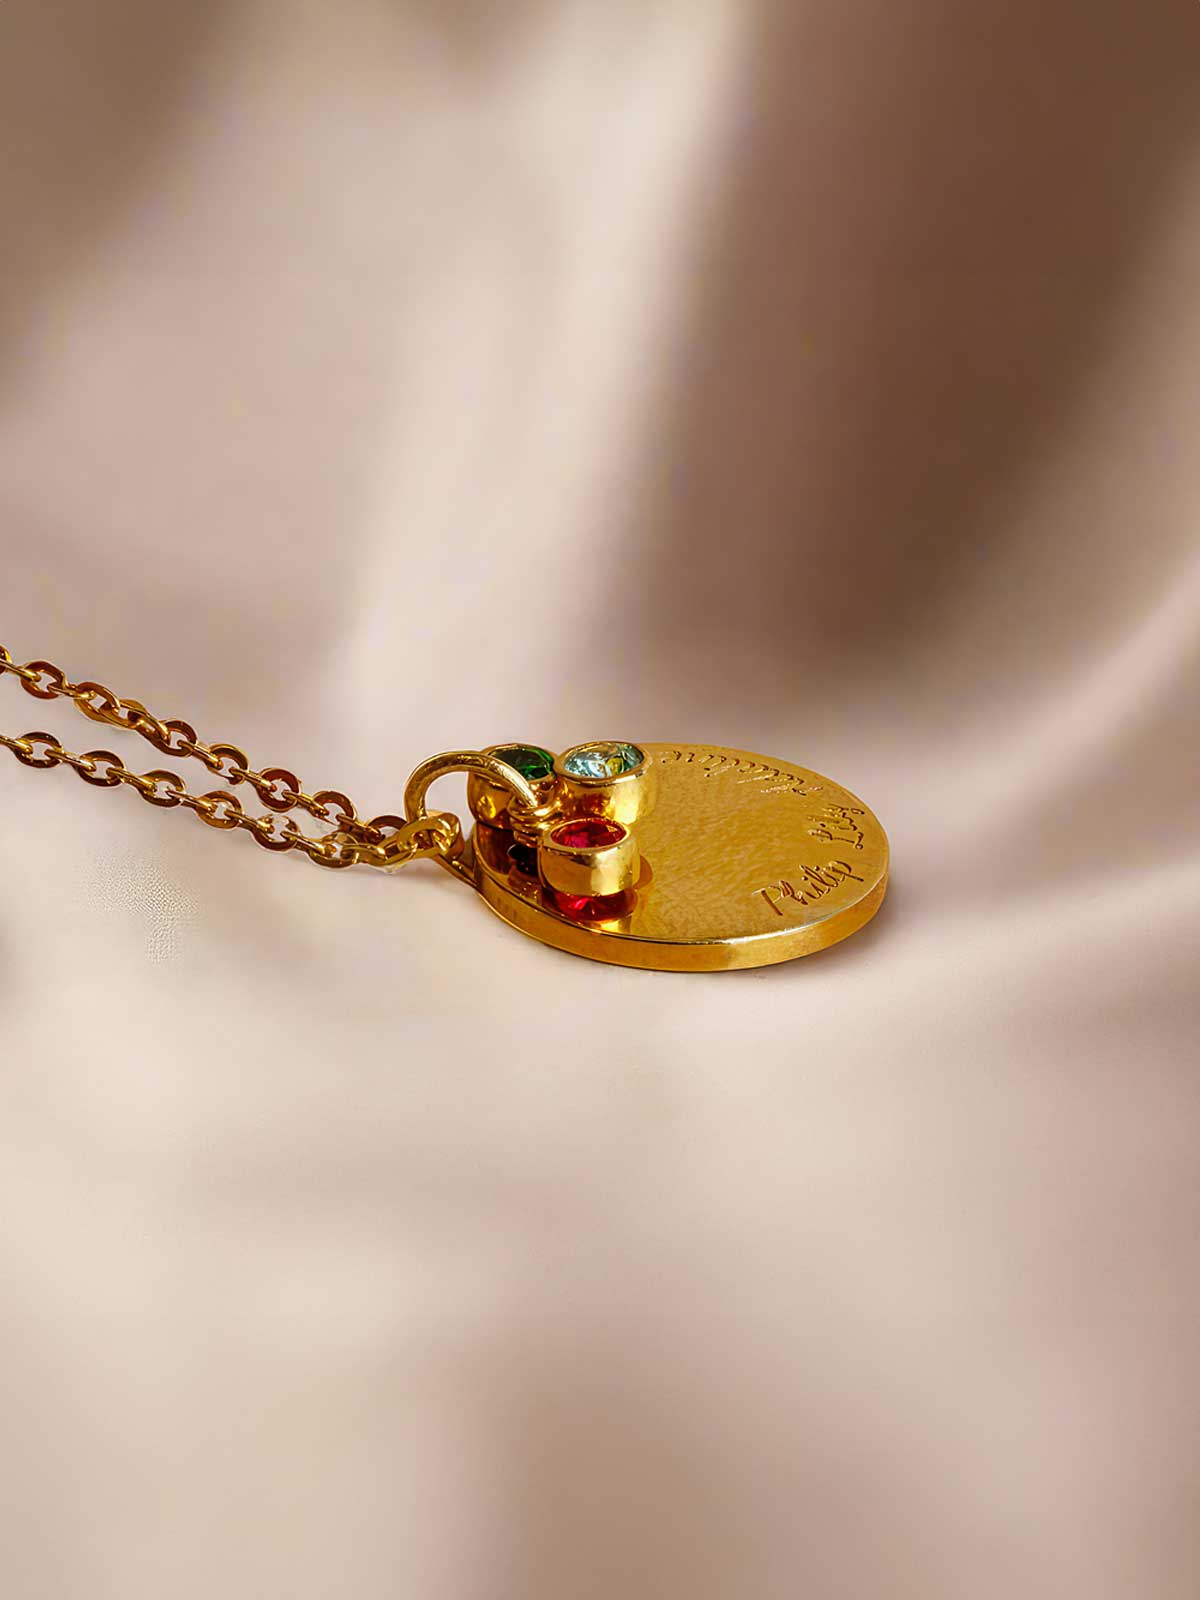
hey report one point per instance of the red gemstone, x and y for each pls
(600, 908)
(588, 833)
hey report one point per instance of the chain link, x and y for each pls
(385, 841)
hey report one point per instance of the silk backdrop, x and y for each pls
(819, 379)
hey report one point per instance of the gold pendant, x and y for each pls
(680, 857)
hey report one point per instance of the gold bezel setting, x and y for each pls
(495, 804)
(621, 796)
(591, 858)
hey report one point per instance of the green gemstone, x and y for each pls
(608, 759)
(530, 760)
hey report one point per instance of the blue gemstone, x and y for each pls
(608, 759)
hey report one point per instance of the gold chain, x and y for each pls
(385, 841)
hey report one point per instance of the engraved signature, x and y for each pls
(813, 884)
(836, 825)
(714, 764)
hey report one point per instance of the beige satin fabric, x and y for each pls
(818, 379)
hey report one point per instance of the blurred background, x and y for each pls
(816, 379)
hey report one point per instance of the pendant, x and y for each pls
(674, 857)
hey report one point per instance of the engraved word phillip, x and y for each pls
(814, 883)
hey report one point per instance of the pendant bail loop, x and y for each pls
(475, 762)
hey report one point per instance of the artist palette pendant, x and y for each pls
(677, 857)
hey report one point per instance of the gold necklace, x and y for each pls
(680, 857)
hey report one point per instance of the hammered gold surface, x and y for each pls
(746, 861)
